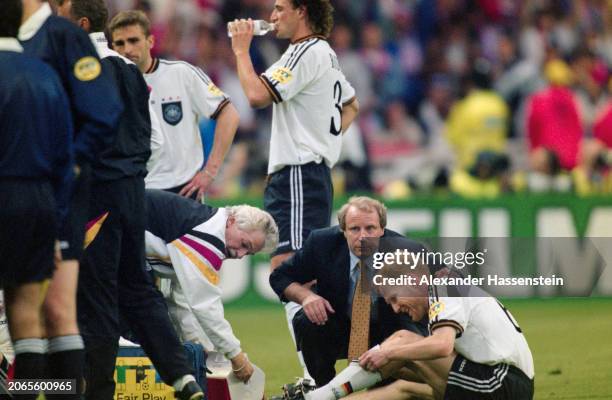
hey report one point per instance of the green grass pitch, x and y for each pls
(571, 342)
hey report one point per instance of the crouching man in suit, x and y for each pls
(338, 319)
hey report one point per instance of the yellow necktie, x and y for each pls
(360, 318)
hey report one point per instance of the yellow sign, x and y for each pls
(282, 75)
(136, 378)
(87, 68)
(435, 309)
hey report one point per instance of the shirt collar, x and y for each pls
(354, 261)
(101, 44)
(29, 28)
(10, 44)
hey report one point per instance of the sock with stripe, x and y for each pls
(351, 379)
(29, 362)
(65, 360)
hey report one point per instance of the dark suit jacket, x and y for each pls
(325, 257)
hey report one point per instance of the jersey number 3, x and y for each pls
(338, 104)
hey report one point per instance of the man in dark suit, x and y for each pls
(331, 256)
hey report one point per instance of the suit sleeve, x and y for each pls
(300, 268)
(94, 96)
(64, 157)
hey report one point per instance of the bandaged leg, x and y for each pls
(351, 379)
(291, 309)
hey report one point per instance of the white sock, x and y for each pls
(180, 383)
(291, 309)
(351, 379)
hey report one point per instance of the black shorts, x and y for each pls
(72, 230)
(299, 198)
(468, 380)
(27, 231)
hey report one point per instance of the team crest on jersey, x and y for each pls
(87, 68)
(435, 309)
(212, 88)
(282, 75)
(172, 112)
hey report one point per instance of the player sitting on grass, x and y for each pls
(475, 350)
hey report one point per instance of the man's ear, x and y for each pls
(230, 221)
(302, 11)
(151, 40)
(85, 24)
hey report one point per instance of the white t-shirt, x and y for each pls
(486, 332)
(180, 95)
(309, 91)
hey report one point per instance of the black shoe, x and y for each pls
(191, 391)
(295, 391)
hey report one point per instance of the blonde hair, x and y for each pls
(249, 218)
(366, 204)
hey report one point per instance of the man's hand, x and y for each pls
(374, 359)
(316, 308)
(242, 368)
(200, 182)
(242, 35)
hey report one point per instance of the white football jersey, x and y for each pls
(309, 91)
(180, 95)
(486, 331)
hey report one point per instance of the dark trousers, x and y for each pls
(321, 345)
(113, 280)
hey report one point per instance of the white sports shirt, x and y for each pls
(309, 91)
(180, 95)
(486, 331)
(192, 263)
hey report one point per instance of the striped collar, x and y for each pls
(10, 44)
(28, 29)
(153, 67)
(312, 35)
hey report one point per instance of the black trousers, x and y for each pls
(113, 280)
(321, 345)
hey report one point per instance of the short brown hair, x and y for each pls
(320, 15)
(363, 203)
(94, 10)
(129, 18)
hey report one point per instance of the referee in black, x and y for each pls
(95, 106)
(113, 278)
(35, 172)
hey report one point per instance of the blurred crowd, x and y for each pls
(475, 97)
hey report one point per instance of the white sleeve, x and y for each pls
(348, 92)
(286, 78)
(206, 98)
(447, 311)
(157, 139)
(204, 300)
(185, 321)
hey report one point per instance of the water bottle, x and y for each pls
(260, 27)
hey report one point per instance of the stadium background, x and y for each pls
(410, 62)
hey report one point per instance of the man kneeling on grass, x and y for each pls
(475, 350)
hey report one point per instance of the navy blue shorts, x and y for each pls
(468, 380)
(27, 231)
(299, 198)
